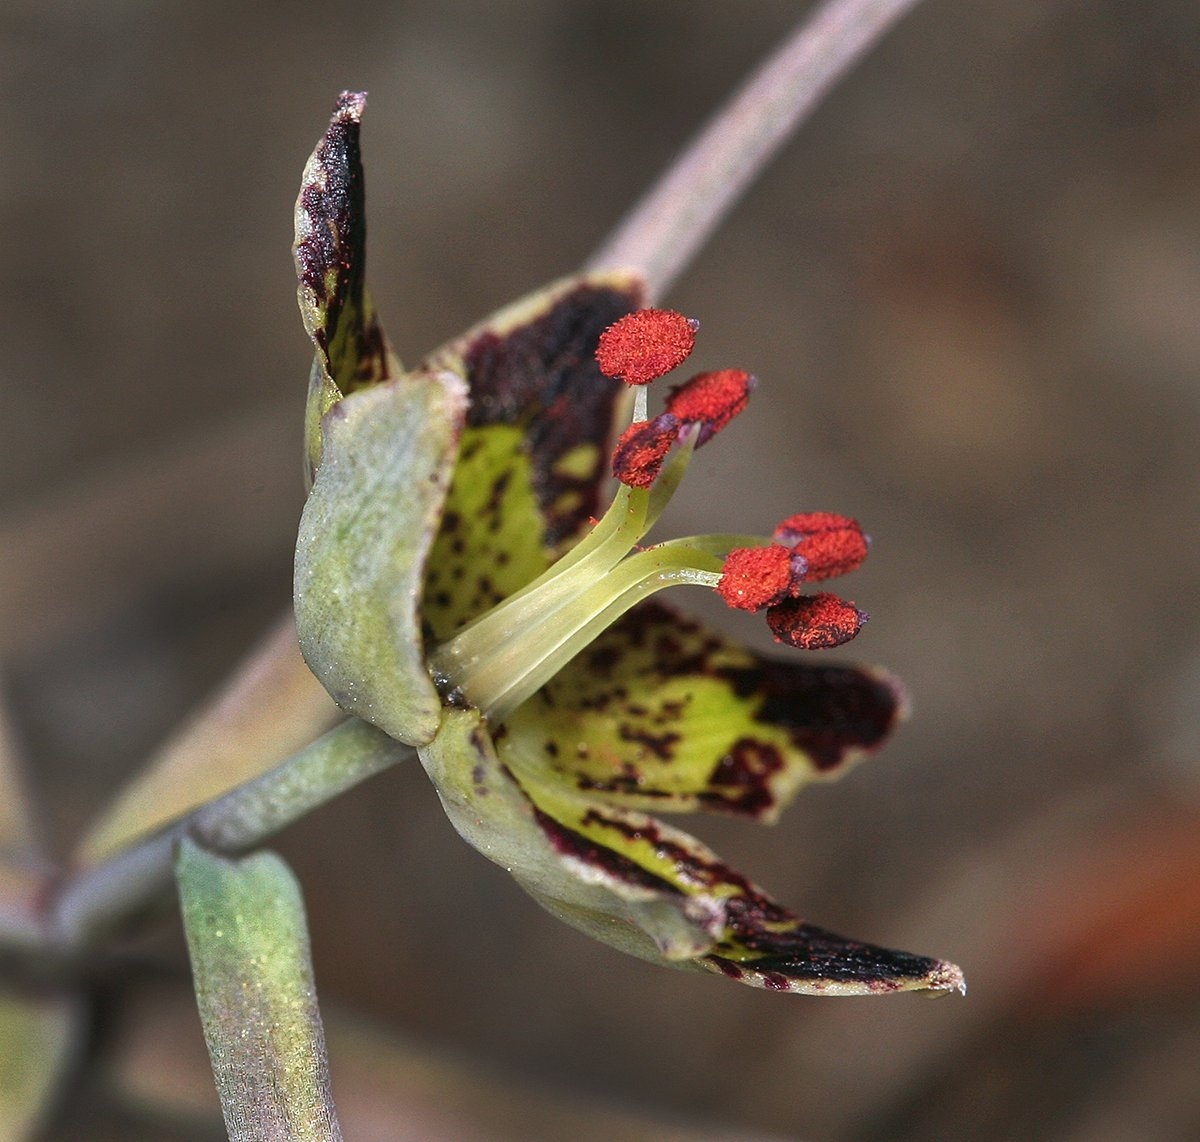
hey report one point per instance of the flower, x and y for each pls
(455, 587)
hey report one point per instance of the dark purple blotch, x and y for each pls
(336, 246)
(805, 952)
(828, 711)
(741, 781)
(543, 376)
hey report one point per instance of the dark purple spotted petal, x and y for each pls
(330, 252)
(646, 888)
(534, 454)
(663, 713)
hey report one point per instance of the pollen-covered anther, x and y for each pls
(711, 400)
(815, 622)
(831, 544)
(645, 345)
(757, 577)
(643, 446)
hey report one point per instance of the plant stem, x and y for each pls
(97, 900)
(267, 709)
(662, 234)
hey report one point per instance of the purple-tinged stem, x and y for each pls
(664, 232)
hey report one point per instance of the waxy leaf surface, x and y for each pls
(248, 944)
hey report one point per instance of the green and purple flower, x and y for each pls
(459, 586)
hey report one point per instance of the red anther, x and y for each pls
(645, 345)
(756, 577)
(815, 622)
(711, 400)
(831, 544)
(639, 454)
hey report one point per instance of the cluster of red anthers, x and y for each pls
(644, 346)
(806, 548)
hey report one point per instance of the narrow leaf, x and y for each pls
(249, 948)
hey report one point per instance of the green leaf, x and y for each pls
(38, 1040)
(645, 888)
(364, 537)
(330, 253)
(663, 713)
(249, 949)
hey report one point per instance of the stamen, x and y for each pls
(533, 652)
(757, 577)
(711, 400)
(645, 345)
(503, 656)
(831, 544)
(815, 622)
(639, 455)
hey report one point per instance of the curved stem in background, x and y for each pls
(19, 840)
(666, 230)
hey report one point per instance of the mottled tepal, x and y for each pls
(460, 585)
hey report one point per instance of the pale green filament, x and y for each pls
(633, 512)
(506, 655)
(641, 404)
(498, 674)
(609, 541)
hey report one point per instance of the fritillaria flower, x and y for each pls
(460, 585)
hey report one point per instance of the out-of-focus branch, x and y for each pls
(662, 234)
(18, 832)
(165, 518)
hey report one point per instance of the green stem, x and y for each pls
(666, 230)
(98, 899)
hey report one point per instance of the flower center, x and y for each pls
(503, 657)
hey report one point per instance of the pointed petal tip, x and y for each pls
(771, 974)
(768, 947)
(944, 978)
(350, 106)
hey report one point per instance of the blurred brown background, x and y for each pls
(969, 289)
